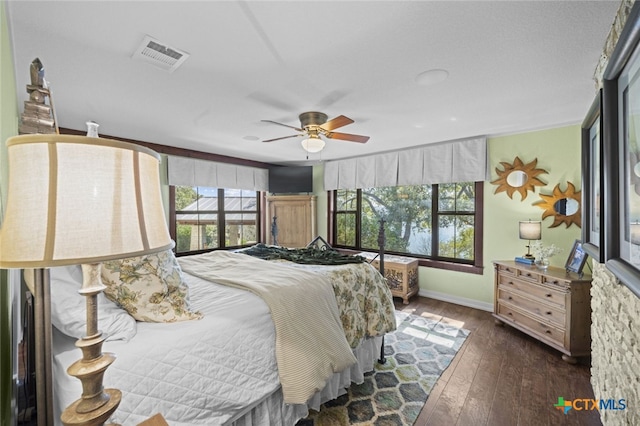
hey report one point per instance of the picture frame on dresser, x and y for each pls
(621, 155)
(577, 258)
(593, 226)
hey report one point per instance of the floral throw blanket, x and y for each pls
(364, 299)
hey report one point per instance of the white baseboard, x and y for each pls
(463, 301)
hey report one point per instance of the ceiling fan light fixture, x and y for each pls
(313, 144)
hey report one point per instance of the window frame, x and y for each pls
(221, 212)
(472, 267)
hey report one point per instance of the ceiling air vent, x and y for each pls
(160, 54)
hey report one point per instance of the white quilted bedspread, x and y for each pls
(310, 342)
(172, 368)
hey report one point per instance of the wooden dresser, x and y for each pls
(296, 219)
(552, 306)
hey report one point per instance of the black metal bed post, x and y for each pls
(274, 231)
(381, 242)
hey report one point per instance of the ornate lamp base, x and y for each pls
(71, 416)
(97, 404)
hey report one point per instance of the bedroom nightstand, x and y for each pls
(401, 274)
(552, 306)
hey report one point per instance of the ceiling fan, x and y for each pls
(313, 124)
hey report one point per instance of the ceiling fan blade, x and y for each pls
(285, 125)
(334, 123)
(284, 137)
(347, 137)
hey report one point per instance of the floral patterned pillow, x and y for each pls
(151, 288)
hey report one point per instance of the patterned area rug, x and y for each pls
(394, 393)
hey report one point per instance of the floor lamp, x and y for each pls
(80, 200)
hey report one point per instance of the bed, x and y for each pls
(224, 366)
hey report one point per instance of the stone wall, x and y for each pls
(615, 327)
(615, 346)
(612, 39)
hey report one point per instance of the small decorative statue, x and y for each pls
(37, 73)
(38, 116)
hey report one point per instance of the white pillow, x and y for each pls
(68, 308)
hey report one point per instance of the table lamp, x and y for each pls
(530, 231)
(79, 200)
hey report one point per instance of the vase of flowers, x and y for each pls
(542, 263)
(543, 253)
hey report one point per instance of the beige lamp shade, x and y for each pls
(530, 230)
(78, 200)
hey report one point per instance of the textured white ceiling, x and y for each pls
(513, 66)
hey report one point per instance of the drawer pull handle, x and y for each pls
(510, 298)
(548, 331)
(549, 313)
(549, 295)
(509, 313)
(510, 282)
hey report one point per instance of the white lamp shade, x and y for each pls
(75, 199)
(530, 230)
(313, 144)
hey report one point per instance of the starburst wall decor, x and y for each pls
(518, 177)
(564, 206)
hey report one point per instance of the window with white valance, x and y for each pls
(450, 162)
(185, 171)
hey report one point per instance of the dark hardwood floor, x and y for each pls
(501, 376)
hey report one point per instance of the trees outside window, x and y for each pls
(438, 222)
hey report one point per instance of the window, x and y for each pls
(439, 224)
(210, 218)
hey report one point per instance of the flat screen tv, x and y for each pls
(290, 179)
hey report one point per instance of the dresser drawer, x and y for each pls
(546, 312)
(556, 282)
(507, 270)
(543, 330)
(529, 276)
(523, 274)
(534, 290)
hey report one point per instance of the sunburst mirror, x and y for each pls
(564, 206)
(518, 177)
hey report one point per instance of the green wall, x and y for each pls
(8, 103)
(8, 127)
(558, 152)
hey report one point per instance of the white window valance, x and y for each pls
(457, 161)
(187, 171)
